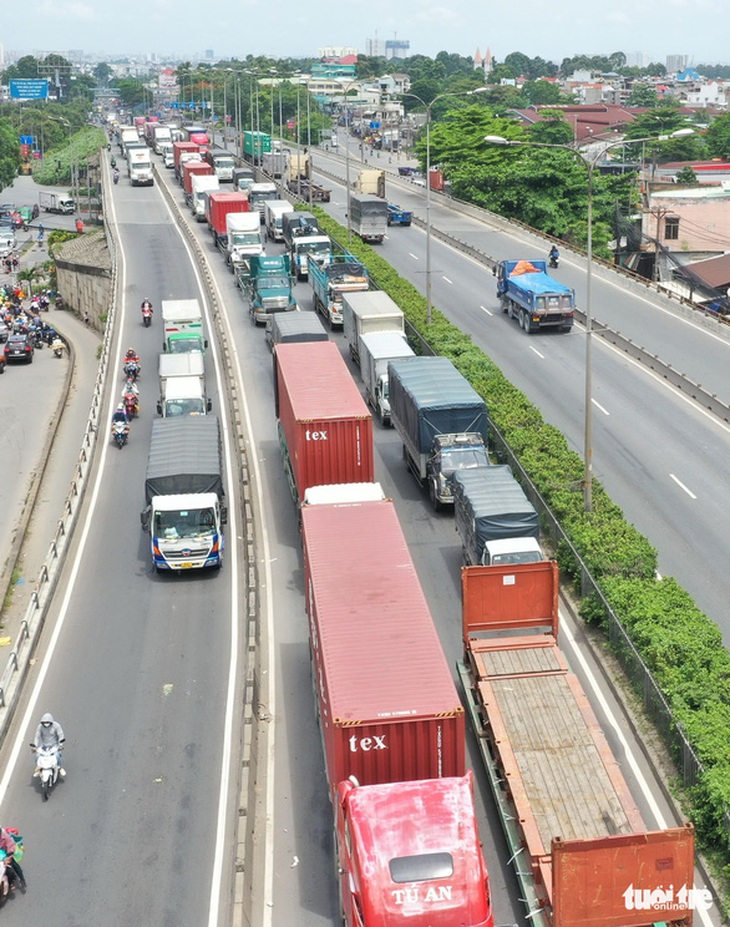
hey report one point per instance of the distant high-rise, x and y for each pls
(676, 63)
(637, 60)
(208, 54)
(397, 48)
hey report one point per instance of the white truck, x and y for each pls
(128, 135)
(167, 154)
(377, 350)
(182, 323)
(314, 248)
(139, 167)
(201, 184)
(258, 194)
(182, 385)
(162, 135)
(243, 239)
(368, 311)
(273, 213)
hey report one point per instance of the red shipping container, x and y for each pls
(178, 148)
(324, 425)
(437, 179)
(218, 205)
(389, 709)
(190, 168)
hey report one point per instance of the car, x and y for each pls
(8, 241)
(19, 347)
(4, 332)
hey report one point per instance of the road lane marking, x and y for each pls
(414, 256)
(600, 407)
(537, 352)
(682, 486)
(484, 309)
(448, 281)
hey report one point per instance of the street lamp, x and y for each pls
(346, 90)
(428, 107)
(591, 165)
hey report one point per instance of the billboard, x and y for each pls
(29, 89)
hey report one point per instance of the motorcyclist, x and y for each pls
(131, 357)
(554, 256)
(115, 175)
(49, 733)
(146, 306)
(13, 866)
(130, 387)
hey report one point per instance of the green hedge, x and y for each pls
(681, 646)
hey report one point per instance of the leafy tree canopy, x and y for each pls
(718, 137)
(541, 92)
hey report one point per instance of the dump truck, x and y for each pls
(325, 428)
(368, 311)
(442, 422)
(376, 351)
(268, 286)
(529, 294)
(575, 837)
(494, 519)
(345, 274)
(184, 498)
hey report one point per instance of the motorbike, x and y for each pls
(131, 405)
(46, 761)
(120, 433)
(115, 176)
(147, 315)
(57, 347)
(131, 370)
(553, 260)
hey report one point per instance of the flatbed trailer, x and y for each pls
(576, 837)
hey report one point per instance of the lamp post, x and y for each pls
(591, 166)
(428, 107)
(346, 90)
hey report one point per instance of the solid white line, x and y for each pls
(414, 256)
(537, 352)
(484, 309)
(682, 486)
(600, 407)
(448, 281)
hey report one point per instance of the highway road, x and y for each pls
(656, 452)
(143, 670)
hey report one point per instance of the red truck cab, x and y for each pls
(409, 855)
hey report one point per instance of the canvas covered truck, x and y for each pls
(286, 327)
(325, 428)
(344, 274)
(495, 520)
(184, 497)
(529, 294)
(575, 836)
(368, 311)
(442, 422)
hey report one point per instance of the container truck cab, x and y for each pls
(270, 287)
(222, 162)
(274, 211)
(243, 241)
(449, 453)
(512, 550)
(409, 855)
(242, 178)
(258, 194)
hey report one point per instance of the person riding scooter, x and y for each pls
(554, 256)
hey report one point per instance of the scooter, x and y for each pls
(57, 347)
(147, 315)
(46, 761)
(131, 405)
(131, 370)
(553, 260)
(115, 176)
(120, 433)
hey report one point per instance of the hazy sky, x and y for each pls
(283, 28)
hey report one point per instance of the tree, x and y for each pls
(618, 60)
(518, 63)
(553, 130)
(542, 92)
(718, 137)
(9, 155)
(102, 72)
(686, 175)
(643, 95)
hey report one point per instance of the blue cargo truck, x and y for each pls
(442, 422)
(529, 294)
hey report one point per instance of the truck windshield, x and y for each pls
(185, 346)
(239, 239)
(463, 459)
(224, 163)
(186, 523)
(273, 283)
(524, 556)
(312, 247)
(177, 407)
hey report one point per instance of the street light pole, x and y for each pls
(588, 400)
(428, 107)
(347, 157)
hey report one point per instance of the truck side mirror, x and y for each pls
(209, 406)
(144, 517)
(159, 408)
(205, 343)
(224, 515)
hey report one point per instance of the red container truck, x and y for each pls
(409, 854)
(190, 168)
(577, 839)
(217, 207)
(388, 706)
(181, 150)
(325, 428)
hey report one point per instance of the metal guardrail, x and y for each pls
(19, 657)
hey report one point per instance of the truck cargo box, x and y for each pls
(191, 168)
(184, 457)
(325, 428)
(429, 397)
(389, 710)
(368, 311)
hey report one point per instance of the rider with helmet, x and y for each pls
(49, 733)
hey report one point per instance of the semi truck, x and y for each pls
(344, 274)
(575, 836)
(255, 144)
(222, 163)
(309, 190)
(242, 178)
(139, 167)
(201, 185)
(182, 323)
(370, 180)
(161, 135)
(287, 327)
(258, 194)
(243, 241)
(190, 169)
(60, 203)
(184, 151)
(217, 207)
(409, 854)
(298, 167)
(184, 498)
(325, 429)
(368, 217)
(182, 385)
(441, 420)
(398, 216)
(529, 294)
(383, 718)
(494, 519)
(269, 287)
(376, 351)
(368, 311)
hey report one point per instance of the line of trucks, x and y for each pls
(408, 850)
(185, 509)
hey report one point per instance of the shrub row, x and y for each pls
(680, 645)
